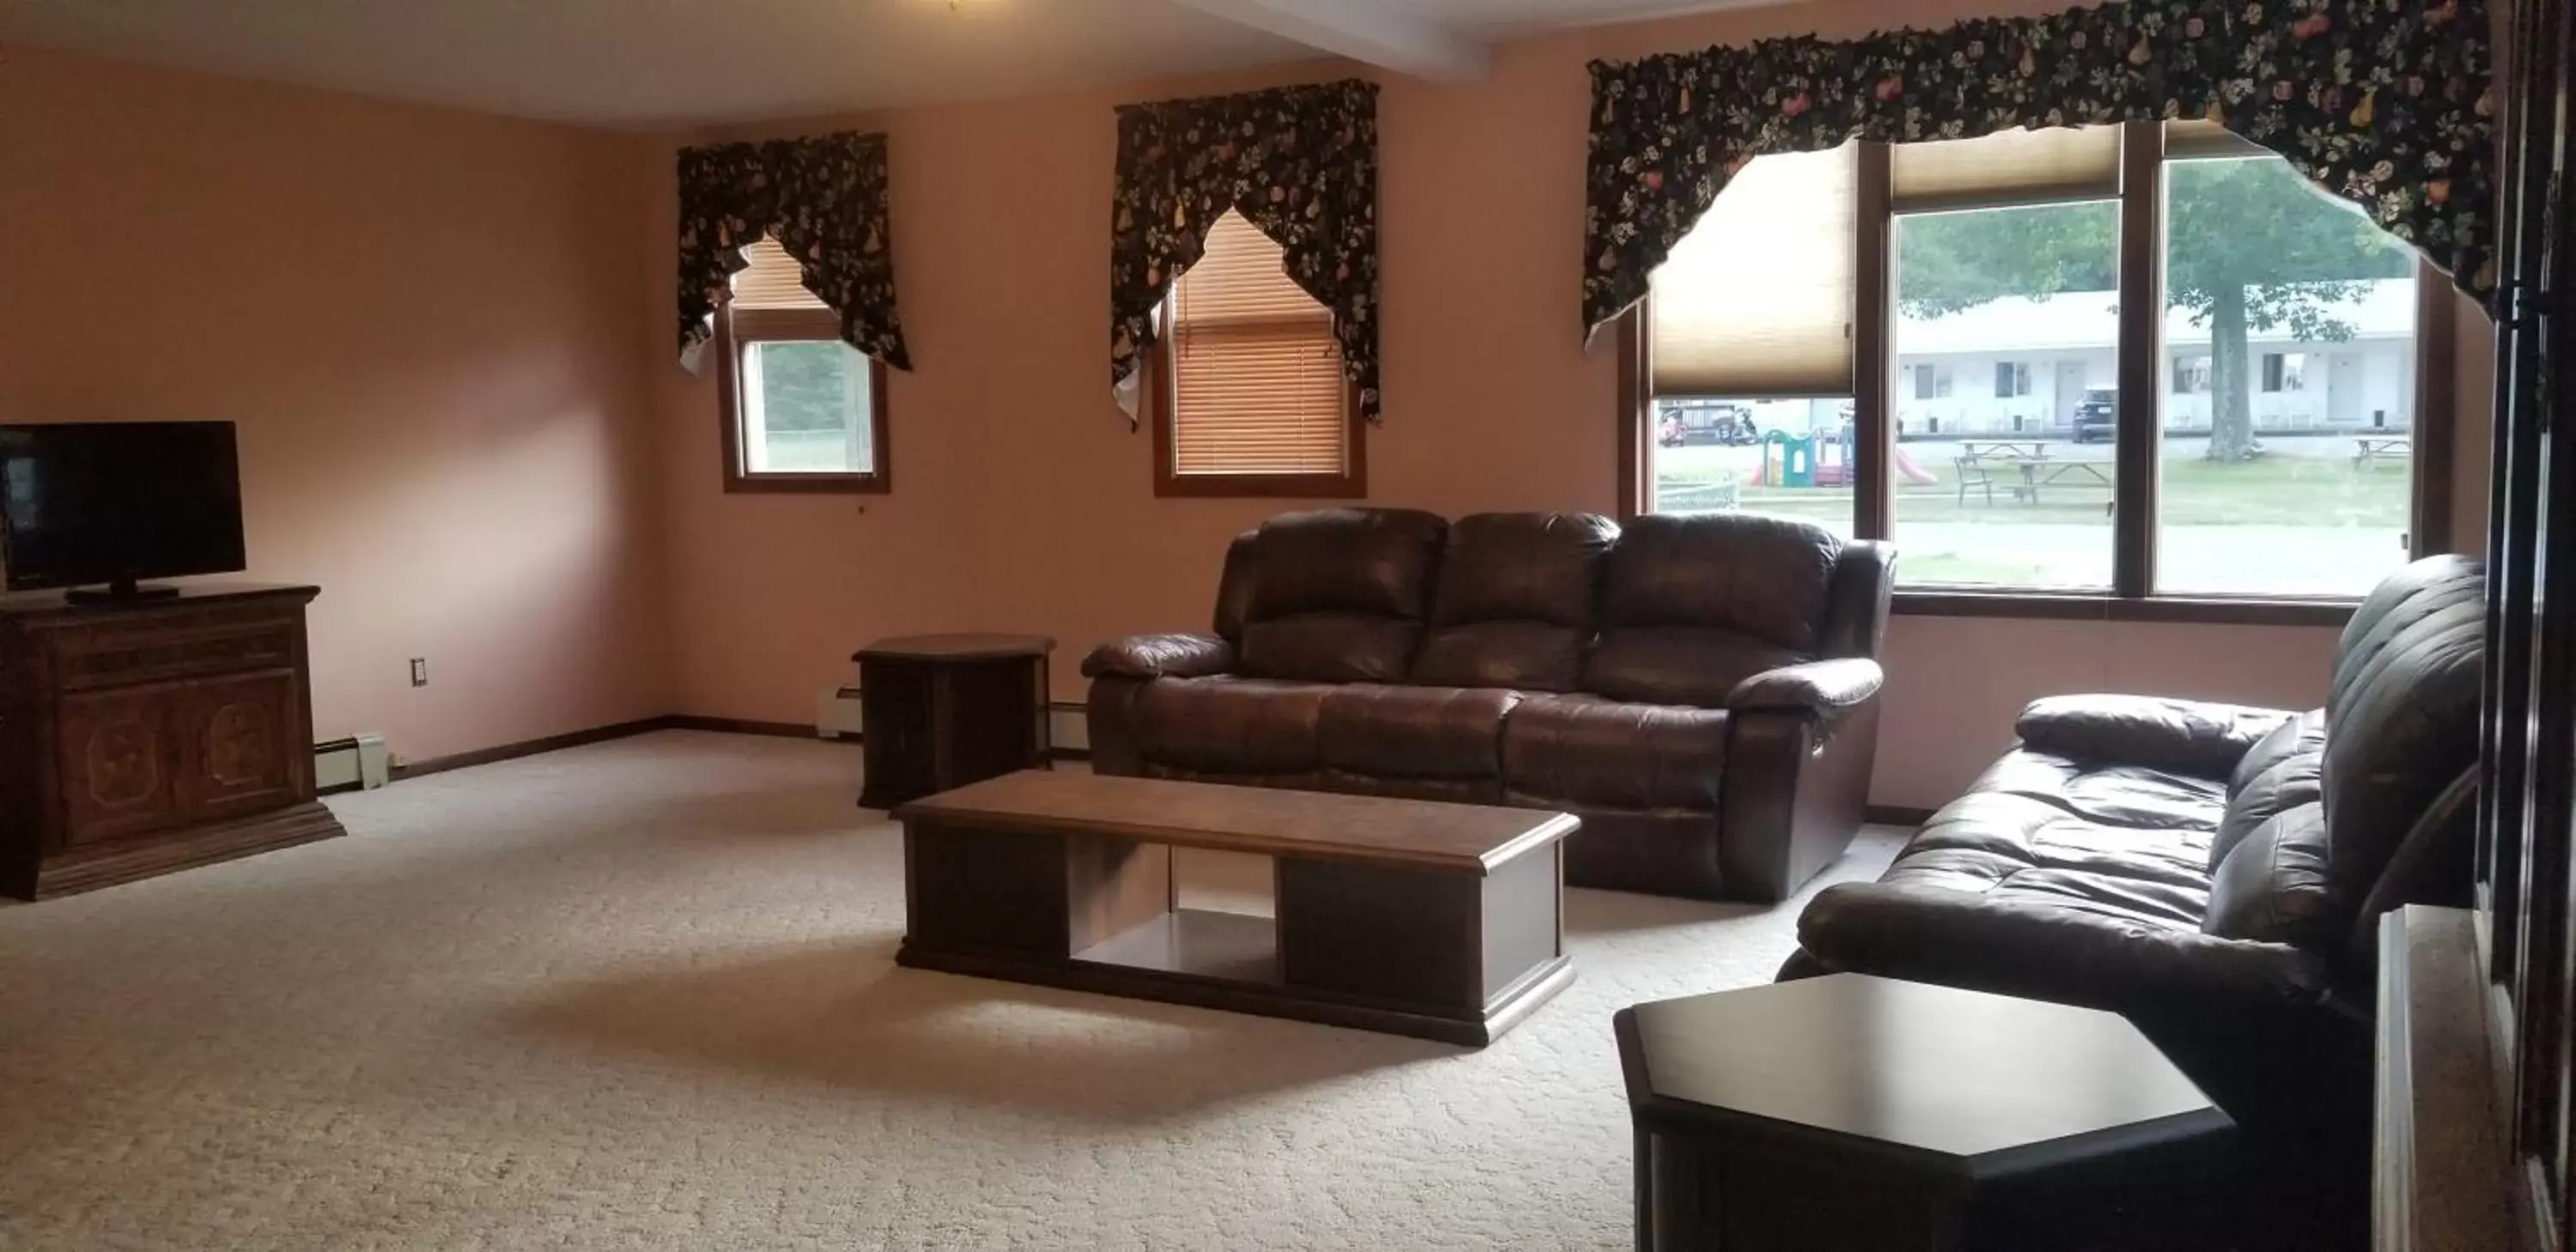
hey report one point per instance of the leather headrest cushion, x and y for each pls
(1538, 567)
(1762, 576)
(1370, 561)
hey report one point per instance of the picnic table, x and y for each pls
(1980, 458)
(2026, 460)
(2368, 448)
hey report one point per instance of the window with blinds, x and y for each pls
(803, 411)
(773, 280)
(1253, 389)
(1756, 302)
(2012, 167)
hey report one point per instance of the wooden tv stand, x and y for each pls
(140, 738)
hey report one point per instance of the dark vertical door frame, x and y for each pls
(2526, 890)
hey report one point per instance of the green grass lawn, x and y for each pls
(2275, 490)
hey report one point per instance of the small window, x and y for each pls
(1246, 382)
(2191, 375)
(803, 411)
(2012, 378)
(1932, 382)
(2283, 371)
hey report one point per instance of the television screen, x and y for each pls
(111, 502)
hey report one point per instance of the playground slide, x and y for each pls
(1912, 472)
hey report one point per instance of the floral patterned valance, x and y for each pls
(2382, 102)
(825, 198)
(1300, 163)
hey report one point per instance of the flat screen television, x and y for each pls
(116, 502)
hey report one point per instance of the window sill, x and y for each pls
(2103, 607)
(809, 484)
(1261, 486)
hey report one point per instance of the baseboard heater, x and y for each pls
(836, 716)
(356, 763)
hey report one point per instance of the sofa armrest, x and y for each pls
(1160, 656)
(2048, 952)
(2185, 736)
(1828, 689)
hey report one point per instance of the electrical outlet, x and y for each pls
(420, 671)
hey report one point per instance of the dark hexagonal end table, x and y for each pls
(1866, 1113)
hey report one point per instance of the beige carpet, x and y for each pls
(641, 995)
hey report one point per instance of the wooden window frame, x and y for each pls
(1155, 396)
(2139, 441)
(736, 330)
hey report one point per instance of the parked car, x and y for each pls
(2097, 416)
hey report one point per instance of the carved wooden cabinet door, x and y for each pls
(237, 740)
(120, 764)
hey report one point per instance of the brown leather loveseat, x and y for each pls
(1703, 692)
(2215, 873)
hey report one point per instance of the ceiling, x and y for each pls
(674, 62)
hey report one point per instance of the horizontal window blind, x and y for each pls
(1757, 300)
(773, 280)
(1256, 384)
(2008, 168)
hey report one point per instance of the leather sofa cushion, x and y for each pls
(1160, 656)
(1532, 656)
(2404, 712)
(1446, 790)
(2271, 888)
(2283, 772)
(1415, 732)
(1329, 648)
(1515, 601)
(1234, 585)
(1679, 664)
(1763, 577)
(1230, 725)
(1539, 567)
(2131, 797)
(2301, 735)
(2186, 736)
(1583, 750)
(1361, 561)
(1993, 841)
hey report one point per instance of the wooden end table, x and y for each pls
(942, 711)
(1859, 1113)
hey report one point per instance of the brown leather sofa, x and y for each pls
(2215, 873)
(1703, 692)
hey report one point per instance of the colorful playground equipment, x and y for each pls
(1822, 459)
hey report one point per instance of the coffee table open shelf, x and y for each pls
(1411, 917)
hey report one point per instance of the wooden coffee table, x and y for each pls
(1441, 921)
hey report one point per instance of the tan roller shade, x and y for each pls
(2185, 141)
(2008, 168)
(1256, 383)
(774, 281)
(1757, 300)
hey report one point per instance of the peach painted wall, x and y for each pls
(427, 325)
(1022, 501)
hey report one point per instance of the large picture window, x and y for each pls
(2018, 418)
